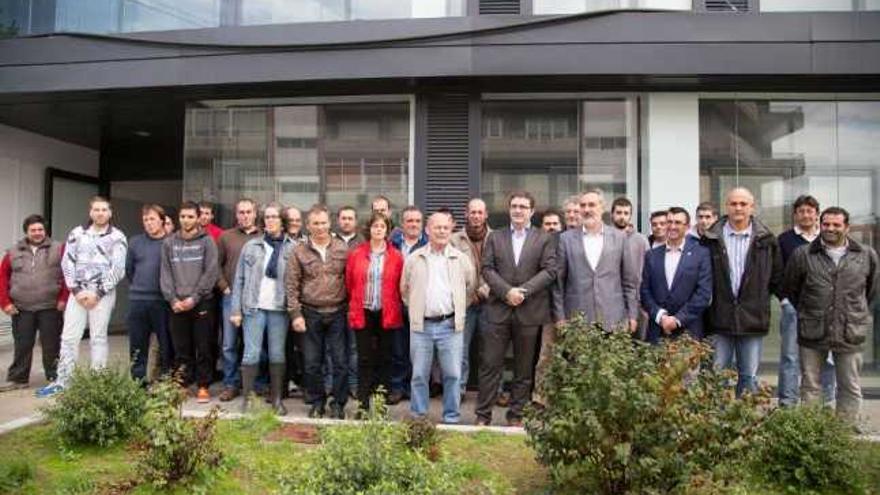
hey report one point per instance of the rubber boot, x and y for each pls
(276, 384)
(248, 376)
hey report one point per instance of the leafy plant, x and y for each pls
(421, 436)
(627, 417)
(376, 458)
(808, 448)
(99, 407)
(175, 449)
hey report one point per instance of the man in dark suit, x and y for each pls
(519, 264)
(596, 272)
(676, 282)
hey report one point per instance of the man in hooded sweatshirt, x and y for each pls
(188, 274)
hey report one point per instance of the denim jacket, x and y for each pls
(250, 272)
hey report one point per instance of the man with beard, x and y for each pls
(832, 282)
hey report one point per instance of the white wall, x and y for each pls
(672, 152)
(24, 157)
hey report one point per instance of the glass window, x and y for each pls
(338, 154)
(780, 149)
(817, 5)
(543, 7)
(97, 16)
(158, 15)
(555, 148)
(285, 11)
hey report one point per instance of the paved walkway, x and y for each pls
(20, 404)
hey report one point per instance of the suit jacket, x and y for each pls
(691, 290)
(535, 272)
(608, 294)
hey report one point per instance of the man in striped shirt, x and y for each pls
(747, 270)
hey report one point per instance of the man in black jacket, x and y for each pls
(746, 270)
(832, 282)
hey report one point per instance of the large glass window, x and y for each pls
(338, 154)
(818, 5)
(781, 149)
(555, 148)
(578, 6)
(282, 11)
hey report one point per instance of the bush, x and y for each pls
(175, 449)
(421, 436)
(99, 407)
(375, 458)
(14, 473)
(808, 448)
(627, 417)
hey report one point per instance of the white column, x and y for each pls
(672, 154)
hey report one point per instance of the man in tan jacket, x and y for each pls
(436, 283)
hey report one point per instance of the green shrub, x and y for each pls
(421, 436)
(175, 449)
(99, 407)
(627, 417)
(808, 448)
(374, 458)
(15, 472)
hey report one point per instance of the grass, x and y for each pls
(254, 462)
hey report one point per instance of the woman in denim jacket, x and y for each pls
(258, 304)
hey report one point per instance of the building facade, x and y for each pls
(669, 102)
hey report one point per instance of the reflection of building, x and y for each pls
(433, 101)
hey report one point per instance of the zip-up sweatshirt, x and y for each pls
(94, 261)
(189, 267)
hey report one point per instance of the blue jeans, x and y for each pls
(258, 323)
(442, 336)
(325, 336)
(746, 350)
(789, 363)
(473, 324)
(400, 357)
(145, 317)
(231, 374)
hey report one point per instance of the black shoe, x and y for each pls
(337, 411)
(394, 398)
(317, 411)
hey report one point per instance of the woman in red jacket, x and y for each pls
(372, 276)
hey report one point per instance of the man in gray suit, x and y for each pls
(519, 266)
(596, 275)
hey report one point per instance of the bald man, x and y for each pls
(746, 270)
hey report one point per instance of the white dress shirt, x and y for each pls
(670, 266)
(593, 244)
(438, 291)
(519, 238)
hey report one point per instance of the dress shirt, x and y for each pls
(438, 291)
(519, 238)
(737, 244)
(670, 262)
(593, 244)
(808, 236)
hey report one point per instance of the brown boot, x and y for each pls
(248, 376)
(276, 385)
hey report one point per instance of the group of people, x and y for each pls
(353, 309)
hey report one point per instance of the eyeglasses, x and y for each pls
(268, 217)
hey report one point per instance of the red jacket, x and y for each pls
(356, 271)
(214, 231)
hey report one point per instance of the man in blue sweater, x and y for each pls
(805, 230)
(147, 310)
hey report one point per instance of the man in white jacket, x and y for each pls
(93, 263)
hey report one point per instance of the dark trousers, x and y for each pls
(191, 336)
(401, 367)
(294, 362)
(325, 335)
(144, 318)
(374, 345)
(493, 346)
(25, 326)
